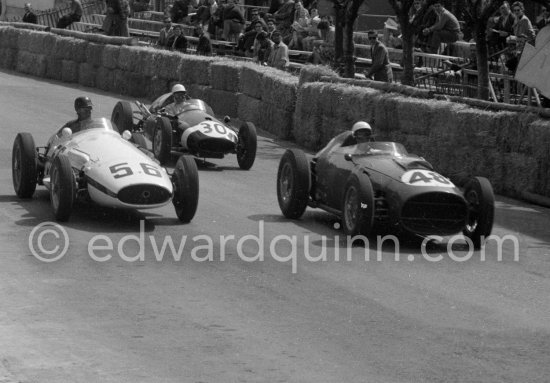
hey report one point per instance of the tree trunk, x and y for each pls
(349, 51)
(339, 14)
(482, 55)
(408, 60)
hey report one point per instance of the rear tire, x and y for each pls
(186, 188)
(293, 183)
(358, 206)
(122, 116)
(479, 195)
(62, 188)
(247, 145)
(162, 140)
(24, 165)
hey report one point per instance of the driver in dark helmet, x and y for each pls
(83, 106)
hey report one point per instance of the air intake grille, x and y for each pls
(143, 194)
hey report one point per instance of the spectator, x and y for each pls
(299, 26)
(204, 12)
(29, 16)
(414, 11)
(278, 57)
(423, 19)
(380, 69)
(138, 6)
(323, 50)
(503, 26)
(74, 15)
(254, 17)
(178, 42)
(313, 33)
(445, 30)
(284, 18)
(246, 41)
(233, 20)
(204, 46)
(116, 19)
(543, 18)
(274, 6)
(270, 27)
(165, 33)
(523, 29)
(216, 20)
(179, 11)
(262, 48)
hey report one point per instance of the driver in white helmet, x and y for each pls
(362, 132)
(180, 96)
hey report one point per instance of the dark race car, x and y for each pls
(378, 184)
(195, 130)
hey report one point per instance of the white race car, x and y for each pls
(97, 164)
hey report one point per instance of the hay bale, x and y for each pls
(248, 108)
(307, 117)
(53, 68)
(196, 69)
(104, 78)
(225, 75)
(201, 92)
(107, 55)
(313, 73)
(94, 54)
(280, 90)
(7, 58)
(67, 48)
(25, 40)
(169, 65)
(48, 44)
(223, 103)
(11, 38)
(128, 58)
(137, 84)
(37, 43)
(87, 74)
(149, 61)
(511, 132)
(414, 115)
(61, 49)
(24, 62)
(69, 71)
(157, 87)
(519, 172)
(275, 120)
(251, 79)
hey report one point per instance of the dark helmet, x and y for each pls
(82, 102)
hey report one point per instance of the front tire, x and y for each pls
(293, 183)
(186, 188)
(62, 188)
(24, 165)
(479, 195)
(162, 140)
(247, 145)
(122, 116)
(358, 206)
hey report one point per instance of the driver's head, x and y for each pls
(83, 106)
(179, 93)
(362, 131)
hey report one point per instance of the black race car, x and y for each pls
(195, 131)
(379, 184)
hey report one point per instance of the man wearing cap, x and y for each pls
(165, 33)
(180, 96)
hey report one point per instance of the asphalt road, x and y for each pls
(212, 310)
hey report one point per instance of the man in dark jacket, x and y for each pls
(179, 11)
(29, 16)
(233, 20)
(380, 69)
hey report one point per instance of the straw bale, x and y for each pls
(87, 74)
(223, 103)
(69, 71)
(137, 84)
(225, 75)
(104, 78)
(312, 73)
(280, 90)
(61, 49)
(196, 69)
(307, 117)
(4, 38)
(49, 43)
(128, 58)
(385, 115)
(24, 62)
(25, 39)
(330, 127)
(538, 137)
(157, 87)
(149, 62)
(169, 65)
(276, 120)
(120, 82)
(353, 103)
(107, 55)
(53, 68)
(10, 37)
(94, 53)
(7, 58)
(71, 49)
(201, 92)
(519, 173)
(415, 115)
(249, 108)
(511, 132)
(251, 79)
(38, 42)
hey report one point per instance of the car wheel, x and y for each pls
(62, 188)
(358, 206)
(480, 198)
(122, 116)
(24, 165)
(139, 140)
(162, 140)
(186, 188)
(246, 146)
(293, 183)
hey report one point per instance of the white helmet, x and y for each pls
(361, 125)
(178, 88)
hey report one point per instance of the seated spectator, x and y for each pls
(502, 27)
(165, 33)
(543, 19)
(523, 29)
(204, 46)
(74, 15)
(254, 17)
(233, 20)
(313, 33)
(270, 27)
(284, 18)
(29, 16)
(177, 42)
(424, 18)
(278, 58)
(414, 11)
(179, 11)
(323, 50)
(262, 48)
(246, 42)
(301, 22)
(445, 30)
